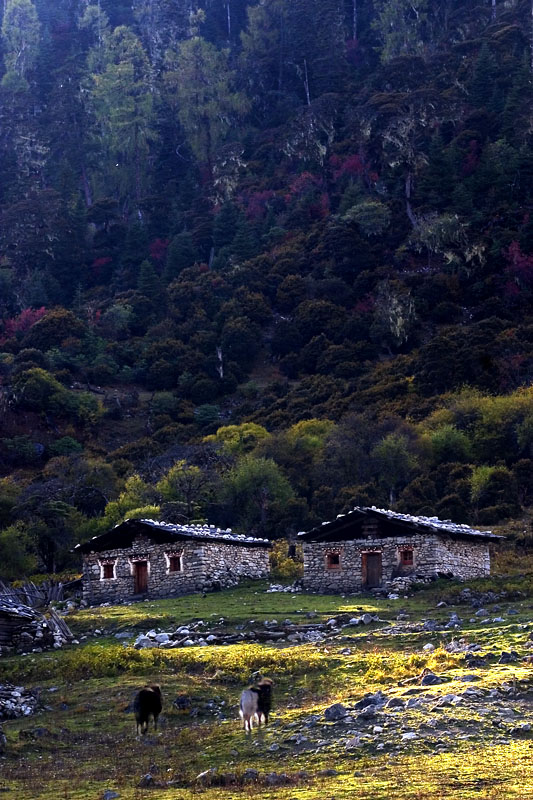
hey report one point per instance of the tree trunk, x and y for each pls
(409, 209)
(306, 83)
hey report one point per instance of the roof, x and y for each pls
(10, 608)
(122, 535)
(348, 526)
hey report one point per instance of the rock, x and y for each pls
(146, 781)
(109, 794)
(143, 642)
(508, 658)
(123, 635)
(481, 612)
(430, 625)
(395, 702)
(498, 619)
(367, 619)
(353, 743)
(206, 777)
(431, 679)
(335, 712)
(274, 747)
(161, 638)
(367, 713)
(393, 596)
(327, 773)
(275, 779)
(249, 775)
(409, 736)
(429, 647)
(520, 730)
(449, 700)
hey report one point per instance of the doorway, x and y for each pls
(140, 572)
(371, 569)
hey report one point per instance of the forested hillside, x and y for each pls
(260, 261)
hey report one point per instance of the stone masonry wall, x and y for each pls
(225, 564)
(202, 563)
(431, 555)
(464, 559)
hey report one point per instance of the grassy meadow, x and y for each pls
(83, 744)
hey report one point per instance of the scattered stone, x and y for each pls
(335, 712)
(508, 658)
(409, 736)
(109, 794)
(395, 702)
(482, 612)
(351, 744)
(206, 777)
(429, 647)
(430, 679)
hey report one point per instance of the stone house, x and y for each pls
(368, 548)
(143, 558)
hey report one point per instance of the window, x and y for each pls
(174, 563)
(333, 560)
(406, 557)
(108, 571)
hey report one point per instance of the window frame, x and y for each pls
(105, 567)
(331, 565)
(407, 562)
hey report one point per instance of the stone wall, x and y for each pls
(464, 559)
(202, 563)
(226, 564)
(431, 555)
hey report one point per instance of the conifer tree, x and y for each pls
(202, 87)
(20, 38)
(181, 254)
(399, 24)
(122, 104)
(481, 88)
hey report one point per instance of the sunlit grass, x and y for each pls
(88, 744)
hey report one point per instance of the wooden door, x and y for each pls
(141, 577)
(371, 569)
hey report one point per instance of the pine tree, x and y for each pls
(225, 225)
(481, 87)
(122, 104)
(399, 24)
(20, 38)
(202, 87)
(148, 282)
(181, 254)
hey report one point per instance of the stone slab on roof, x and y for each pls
(344, 522)
(122, 535)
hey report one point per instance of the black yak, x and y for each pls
(147, 704)
(255, 704)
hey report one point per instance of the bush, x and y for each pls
(284, 566)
